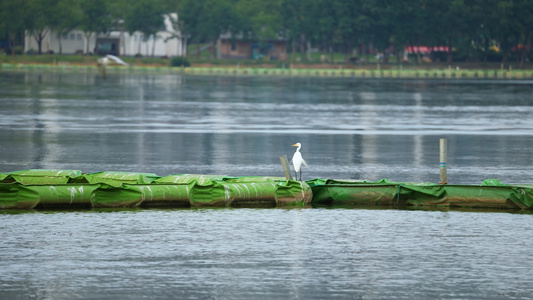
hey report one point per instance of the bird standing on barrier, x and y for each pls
(297, 161)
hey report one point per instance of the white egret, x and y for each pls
(297, 161)
(109, 59)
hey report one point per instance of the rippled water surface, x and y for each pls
(349, 128)
(266, 254)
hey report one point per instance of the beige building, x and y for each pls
(166, 43)
(238, 48)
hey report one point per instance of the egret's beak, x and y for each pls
(295, 145)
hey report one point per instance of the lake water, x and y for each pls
(350, 128)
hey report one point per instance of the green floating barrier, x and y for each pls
(15, 195)
(294, 193)
(490, 194)
(334, 192)
(61, 195)
(71, 188)
(215, 190)
(67, 188)
(141, 195)
(12, 195)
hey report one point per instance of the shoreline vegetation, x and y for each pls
(371, 69)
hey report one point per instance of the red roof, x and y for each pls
(426, 49)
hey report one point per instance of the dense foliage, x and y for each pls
(180, 62)
(471, 27)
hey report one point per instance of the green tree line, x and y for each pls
(469, 27)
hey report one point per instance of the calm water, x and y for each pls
(266, 254)
(349, 128)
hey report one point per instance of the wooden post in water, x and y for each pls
(443, 159)
(286, 168)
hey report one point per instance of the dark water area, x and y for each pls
(350, 128)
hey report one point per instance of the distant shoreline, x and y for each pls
(83, 60)
(309, 71)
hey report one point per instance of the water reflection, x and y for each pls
(349, 128)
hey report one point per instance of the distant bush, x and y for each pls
(179, 61)
(494, 56)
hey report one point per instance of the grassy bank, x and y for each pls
(451, 73)
(299, 63)
(203, 66)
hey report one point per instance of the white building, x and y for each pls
(167, 43)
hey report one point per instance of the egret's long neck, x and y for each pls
(298, 149)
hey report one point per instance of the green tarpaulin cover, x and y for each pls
(491, 193)
(54, 188)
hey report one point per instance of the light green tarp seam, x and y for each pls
(255, 179)
(43, 177)
(189, 179)
(205, 179)
(320, 182)
(493, 182)
(118, 178)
